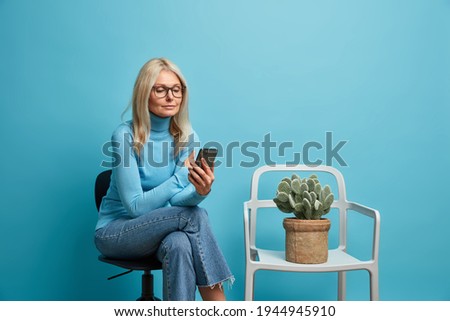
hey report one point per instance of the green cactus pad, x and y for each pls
(317, 205)
(324, 193)
(284, 187)
(282, 197)
(284, 207)
(328, 201)
(318, 211)
(295, 186)
(307, 196)
(317, 215)
(298, 208)
(310, 184)
(303, 188)
(291, 201)
(307, 209)
(300, 216)
(287, 180)
(313, 197)
(318, 189)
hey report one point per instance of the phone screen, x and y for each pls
(209, 154)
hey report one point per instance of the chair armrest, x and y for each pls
(370, 212)
(364, 210)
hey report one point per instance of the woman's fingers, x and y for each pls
(200, 187)
(208, 170)
(189, 160)
(201, 178)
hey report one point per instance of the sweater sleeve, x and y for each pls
(132, 196)
(187, 197)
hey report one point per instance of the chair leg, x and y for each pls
(249, 285)
(342, 288)
(374, 291)
(147, 288)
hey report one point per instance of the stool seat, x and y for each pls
(144, 264)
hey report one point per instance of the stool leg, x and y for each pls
(147, 288)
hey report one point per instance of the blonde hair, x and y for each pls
(180, 127)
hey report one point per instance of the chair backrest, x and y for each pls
(300, 168)
(251, 206)
(101, 186)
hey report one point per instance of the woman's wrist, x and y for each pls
(182, 177)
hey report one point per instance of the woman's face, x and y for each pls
(164, 102)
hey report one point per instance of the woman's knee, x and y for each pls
(176, 244)
(198, 216)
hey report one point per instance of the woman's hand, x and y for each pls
(201, 177)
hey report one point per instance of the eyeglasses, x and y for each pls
(162, 91)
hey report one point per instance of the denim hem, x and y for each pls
(230, 280)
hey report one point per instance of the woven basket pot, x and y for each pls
(306, 240)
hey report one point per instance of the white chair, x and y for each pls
(338, 259)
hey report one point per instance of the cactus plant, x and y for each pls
(304, 197)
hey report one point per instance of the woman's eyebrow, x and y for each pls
(159, 84)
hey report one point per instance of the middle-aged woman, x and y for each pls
(151, 204)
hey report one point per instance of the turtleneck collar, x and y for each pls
(159, 124)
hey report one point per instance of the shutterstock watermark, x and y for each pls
(256, 154)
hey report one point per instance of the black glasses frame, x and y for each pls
(166, 89)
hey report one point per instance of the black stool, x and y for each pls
(147, 264)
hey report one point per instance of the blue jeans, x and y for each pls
(183, 242)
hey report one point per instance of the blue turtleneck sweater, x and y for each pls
(154, 180)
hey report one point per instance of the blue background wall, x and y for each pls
(374, 73)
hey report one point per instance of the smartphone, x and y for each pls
(209, 154)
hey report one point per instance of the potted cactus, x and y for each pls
(307, 232)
